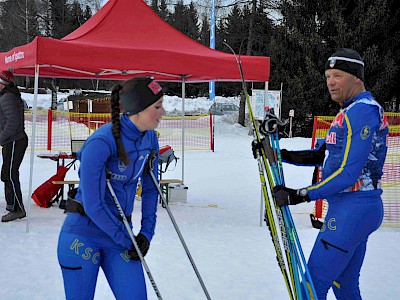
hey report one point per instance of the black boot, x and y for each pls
(13, 197)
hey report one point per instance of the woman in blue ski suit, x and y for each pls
(351, 179)
(93, 234)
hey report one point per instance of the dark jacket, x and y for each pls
(12, 127)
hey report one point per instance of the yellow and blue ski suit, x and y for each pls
(356, 147)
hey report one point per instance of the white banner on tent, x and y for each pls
(258, 105)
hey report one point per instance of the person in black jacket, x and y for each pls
(14, 142)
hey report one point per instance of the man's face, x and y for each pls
(341, 85)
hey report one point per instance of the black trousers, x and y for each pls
(13, 154)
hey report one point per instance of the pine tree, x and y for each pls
(205, 31)
(154, 6)
(192, 22)
(185, 19)
(88, 13)
(18, 20)
(59, 18)
(234, 29)
(76, 16)
(163, 11)
(44, 17)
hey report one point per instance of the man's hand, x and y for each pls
(287, 196)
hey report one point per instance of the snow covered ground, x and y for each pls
(220, 223)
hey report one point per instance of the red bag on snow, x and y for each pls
(45, 193)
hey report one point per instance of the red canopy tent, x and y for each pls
(125, 38)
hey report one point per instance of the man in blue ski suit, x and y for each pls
(351, 179)
(93, 234)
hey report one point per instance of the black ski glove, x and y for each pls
(286, 196)
(143, 244)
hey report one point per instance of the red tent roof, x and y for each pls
(126, 38)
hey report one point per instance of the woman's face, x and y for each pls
(149, 118)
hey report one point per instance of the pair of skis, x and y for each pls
(283, 232)
(300, 284)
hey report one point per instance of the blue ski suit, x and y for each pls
(99, 238)
(356, 146)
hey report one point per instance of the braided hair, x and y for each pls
(116, 126)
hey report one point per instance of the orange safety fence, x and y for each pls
(56, 129)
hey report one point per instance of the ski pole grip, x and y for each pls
(272, 124)
(150, 161)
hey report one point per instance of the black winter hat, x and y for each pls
(144, 92)
(347, 60)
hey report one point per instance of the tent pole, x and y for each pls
(33, 135)
(183, 129)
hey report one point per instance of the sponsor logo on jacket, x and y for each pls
(365, 132)
(338, 121)
(331, 138)
(118, 177)
(121, 166)
(384, 122)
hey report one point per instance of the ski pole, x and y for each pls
(151, 167)
(128, 228)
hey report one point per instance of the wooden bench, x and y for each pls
(71, 183)
(169, 181)
(71, 186)
(164, 185)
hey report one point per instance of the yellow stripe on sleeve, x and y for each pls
(346, 155)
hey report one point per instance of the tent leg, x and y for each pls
(32, 157)
(183, 128)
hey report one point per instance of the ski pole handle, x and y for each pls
(272, 124)
(150, 162)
